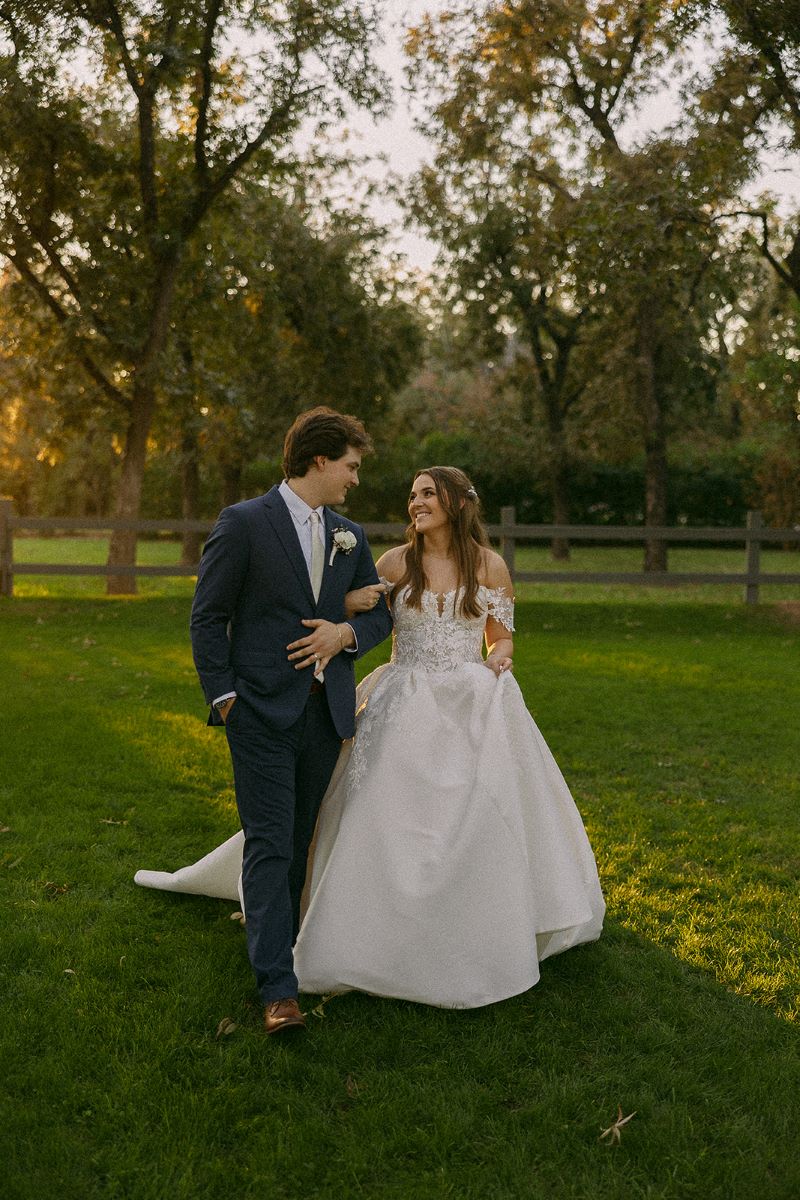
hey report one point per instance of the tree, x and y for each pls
(56, 440)
(113, 159)
(299, 311)
(764, 385)
(752, 88)
(505, 240)
(553, 82)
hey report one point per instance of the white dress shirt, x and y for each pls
(300, 512)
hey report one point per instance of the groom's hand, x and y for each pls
(318, 648)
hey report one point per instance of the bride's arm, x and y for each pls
(500, 651)
(500, 621)
(389, 567)
(363, 599)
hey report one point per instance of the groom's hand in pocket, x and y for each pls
(224, 710)
(320, 645)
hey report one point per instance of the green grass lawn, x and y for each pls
(675, 721)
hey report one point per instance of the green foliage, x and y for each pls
(122, 127)
(273, 315)
(599, 251)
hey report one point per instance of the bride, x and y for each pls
(450, 857)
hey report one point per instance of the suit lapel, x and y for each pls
(281, 521)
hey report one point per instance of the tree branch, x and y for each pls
(780, 268)
(206, 196)
(95, 372)
(144, 91)
(112, 21)
(766, 47)
(593, 111)
(625, 68)
(201, 129)
(552, 182)
(22, 236)
(7, 16)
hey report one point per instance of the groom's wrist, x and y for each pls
(347, 636)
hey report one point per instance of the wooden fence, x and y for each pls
(508, 533)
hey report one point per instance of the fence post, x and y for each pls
(6, 547)
(508, 516)
(753, 557)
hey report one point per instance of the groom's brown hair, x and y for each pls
(321, 431)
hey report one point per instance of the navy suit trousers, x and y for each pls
(280, 777)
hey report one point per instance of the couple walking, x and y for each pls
(450, 857)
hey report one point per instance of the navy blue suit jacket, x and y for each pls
(253, 591)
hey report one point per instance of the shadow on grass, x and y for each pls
(122, 1088)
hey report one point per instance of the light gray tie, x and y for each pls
(317, 555)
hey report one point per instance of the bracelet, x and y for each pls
(341, 639)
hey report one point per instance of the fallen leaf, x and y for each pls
(319, 1011)
(351, 1086)
(87, 642)
(225, 1027)
(68, 971)
(238, 916)
(111, 821)
(55, 889)
(5, 829)
(614, 1132)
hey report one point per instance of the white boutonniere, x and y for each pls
(343, 540)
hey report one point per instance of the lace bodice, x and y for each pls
(441, 640)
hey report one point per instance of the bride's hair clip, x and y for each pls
(471, 493)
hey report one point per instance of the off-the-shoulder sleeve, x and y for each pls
(501, 607)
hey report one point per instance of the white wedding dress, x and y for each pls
(450, 856)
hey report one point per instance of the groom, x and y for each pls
(275, 659)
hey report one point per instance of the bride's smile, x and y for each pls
(425, 507)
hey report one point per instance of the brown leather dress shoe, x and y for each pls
(283, 1014)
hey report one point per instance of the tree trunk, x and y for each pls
(190, 500)
(559, 546)
(557, 473)
(655, 440)
(655, 550)
(122, 546)
(231, 484)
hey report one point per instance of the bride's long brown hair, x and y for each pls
(468, 534)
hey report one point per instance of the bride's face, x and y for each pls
(424, 506)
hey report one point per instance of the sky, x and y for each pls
(406, 149)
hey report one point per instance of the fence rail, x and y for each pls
(508, 533)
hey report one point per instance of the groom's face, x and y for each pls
(337, 475)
